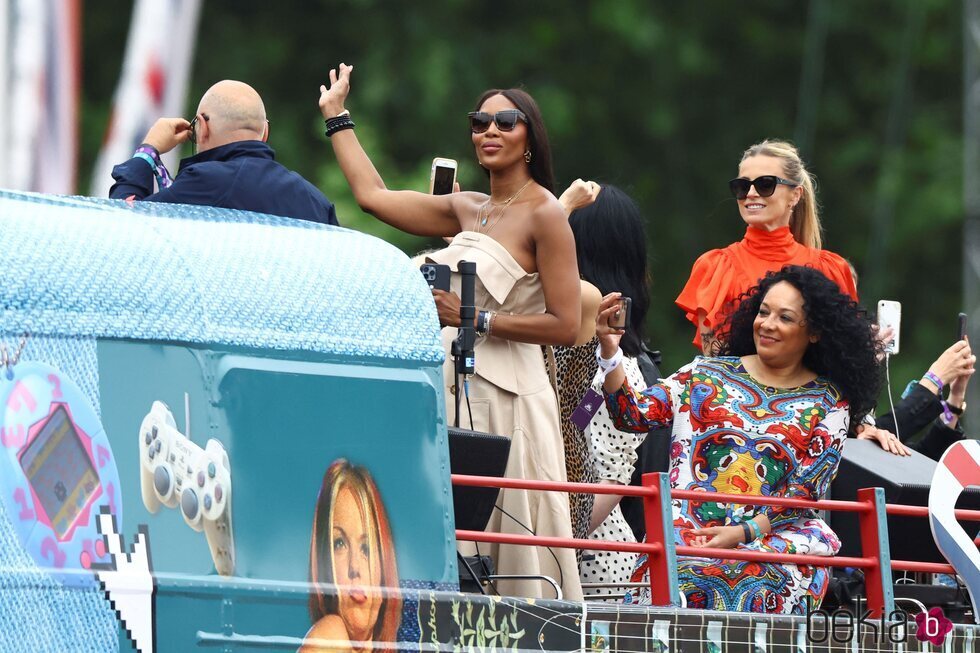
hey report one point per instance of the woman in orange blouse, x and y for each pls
(777, 200)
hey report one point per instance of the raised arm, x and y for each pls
(413, 212)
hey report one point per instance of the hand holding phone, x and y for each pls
(890, 316)
(442, 179)
(436, 275)
(621, 317)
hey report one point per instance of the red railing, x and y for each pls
(661, 551)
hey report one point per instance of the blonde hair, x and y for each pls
(805, 220)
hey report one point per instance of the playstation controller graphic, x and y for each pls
(174, 470)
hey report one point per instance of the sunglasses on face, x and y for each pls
(506, 120)
(765, 185)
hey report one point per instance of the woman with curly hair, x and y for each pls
(768, 417)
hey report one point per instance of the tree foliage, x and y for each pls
(659, 98)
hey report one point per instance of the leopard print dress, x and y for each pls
(574, 369)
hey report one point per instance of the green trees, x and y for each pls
(659, 98)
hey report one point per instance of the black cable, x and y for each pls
(456, 398)
(476, 579)
(469, 409)
(486, 572)
(561, 574)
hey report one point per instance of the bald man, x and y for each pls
(233, 167)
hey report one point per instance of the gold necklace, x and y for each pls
(484, 214)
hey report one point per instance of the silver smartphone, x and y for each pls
(890, 315)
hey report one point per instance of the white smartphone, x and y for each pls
(443, 176)
(890, 315)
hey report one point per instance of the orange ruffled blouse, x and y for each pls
(722, 275)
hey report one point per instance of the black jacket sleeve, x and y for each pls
(937, 440)
(913, 413)
(134, 178)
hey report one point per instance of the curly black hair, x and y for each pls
(847, 351)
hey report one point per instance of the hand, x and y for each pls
(578, 194)
(608, 337)
(957, 387)
(884, 337)
(332, 100)
(954, 362)
(717, 537)
(447, 305)
(168, 133)
(886, 439)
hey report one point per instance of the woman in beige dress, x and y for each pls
(527, 295)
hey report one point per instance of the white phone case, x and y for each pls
(442, 168)
(890, 315)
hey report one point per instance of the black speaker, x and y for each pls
(906, 480)
(476, 454)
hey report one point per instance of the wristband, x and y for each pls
(746, 532)
(756, 529)
(935, 380)
(490, 319)
(607, 365)
(151, 155)
(947, 412)
(956, 410)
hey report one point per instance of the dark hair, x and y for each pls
(342, 474)
(611, 247)
(537, 135)
(846, 352)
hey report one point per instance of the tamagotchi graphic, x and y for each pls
(56, 470)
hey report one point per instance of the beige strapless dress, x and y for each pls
(511, 394)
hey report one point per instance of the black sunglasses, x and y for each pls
(765, 185)
(193, 136)
(506, 120)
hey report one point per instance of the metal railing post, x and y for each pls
(660, 530)
(874, 544)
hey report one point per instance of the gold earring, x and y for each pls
(527, 156)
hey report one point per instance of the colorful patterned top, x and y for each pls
(730, 434)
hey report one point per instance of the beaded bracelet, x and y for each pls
(338, 123)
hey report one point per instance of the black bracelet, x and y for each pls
(956, 410)
(748, 532)
(337, 124)
(481, 323)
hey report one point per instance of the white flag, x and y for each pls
(153, 84)
(39, 86)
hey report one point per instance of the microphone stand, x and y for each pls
(462, 348)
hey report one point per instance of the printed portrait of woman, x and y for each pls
(351, 547)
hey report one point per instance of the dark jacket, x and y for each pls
(918, 409)
(240, 175)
